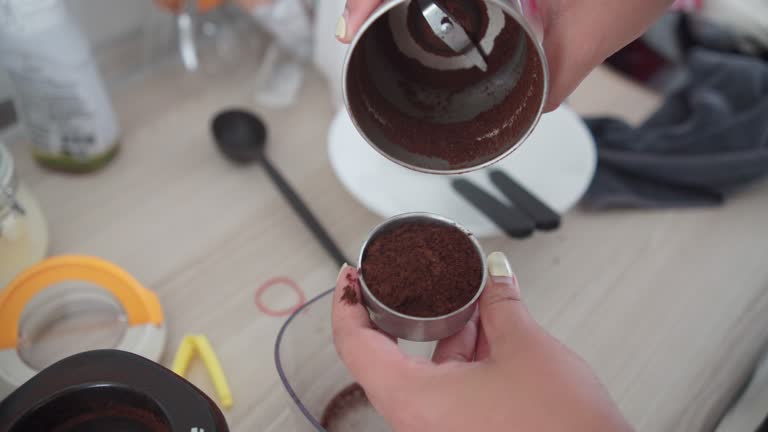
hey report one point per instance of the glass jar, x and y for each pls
(23, 229)
(314, 376)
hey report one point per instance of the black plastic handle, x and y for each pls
(106, 389)
(510, 219)
(543, 215)
(305, 214)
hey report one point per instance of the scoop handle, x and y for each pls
(508, 218)
(542, 214)
(304, 213)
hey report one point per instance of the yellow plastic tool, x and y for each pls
(183, 356)
(199, 344)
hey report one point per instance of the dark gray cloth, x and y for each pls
(709, 138)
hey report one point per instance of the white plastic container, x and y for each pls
(59, 91)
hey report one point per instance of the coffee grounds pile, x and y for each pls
(350, 290)
(422, 269)
(345, 403)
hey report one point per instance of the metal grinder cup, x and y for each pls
(411, 328)
(429, 105)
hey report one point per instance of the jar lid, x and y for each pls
(145, 334)
(141, 305)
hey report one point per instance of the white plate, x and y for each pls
(556, 164)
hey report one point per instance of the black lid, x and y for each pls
(109, 390)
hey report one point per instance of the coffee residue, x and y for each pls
(348, 400)
(350, 291)
(462, 143)
(423, 269)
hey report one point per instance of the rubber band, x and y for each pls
(279, 312)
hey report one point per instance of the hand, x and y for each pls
(578, 34)
(502, 372)
(177, 6)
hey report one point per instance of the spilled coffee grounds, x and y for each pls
(422, 269)
(349, 296)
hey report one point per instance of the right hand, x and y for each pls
(578, 34)
(502, 372)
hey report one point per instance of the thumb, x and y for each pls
(354, 15)
(505, 319)
(372, 357)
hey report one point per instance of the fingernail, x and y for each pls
(341, 271)
(498, 265)
(341, 25)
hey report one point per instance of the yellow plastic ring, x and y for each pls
(146, 330)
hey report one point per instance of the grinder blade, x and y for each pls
(448, 29)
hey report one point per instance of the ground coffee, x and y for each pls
(422, 269)
(349, 296)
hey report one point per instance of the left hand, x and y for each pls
(503, 372)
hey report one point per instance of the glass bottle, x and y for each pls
(23, 229)
(60, 94)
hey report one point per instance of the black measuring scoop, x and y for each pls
(242, 138)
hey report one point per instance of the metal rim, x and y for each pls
(437, 218)
(519, 18)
